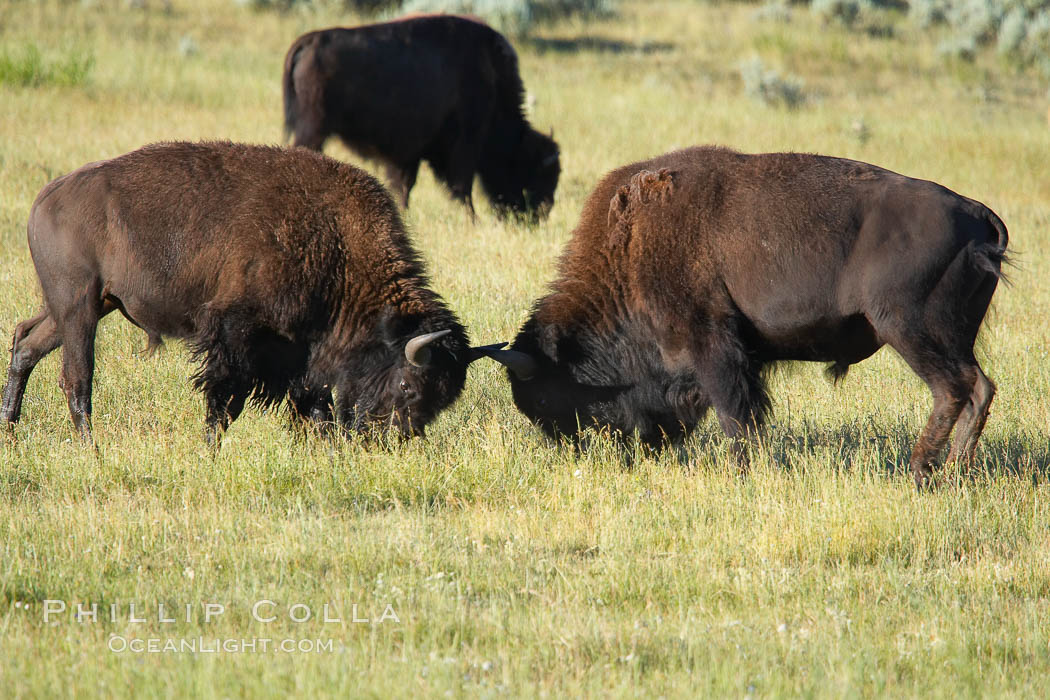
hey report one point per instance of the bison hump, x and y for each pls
(644, 187)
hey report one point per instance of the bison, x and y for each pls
(289, 273)
(691, 273)
(439, 88)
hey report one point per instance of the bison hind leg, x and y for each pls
(971, 421)
(939, 347)
(33, 339)
(951, 392)
(951, 378)
(78, 330)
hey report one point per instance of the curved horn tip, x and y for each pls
(480, 351)
(416, 351)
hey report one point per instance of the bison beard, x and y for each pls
(290, 275)
(442, 88)
(690, 274)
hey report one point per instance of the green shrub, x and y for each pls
(29, 68)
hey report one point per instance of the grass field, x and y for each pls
(514, 567)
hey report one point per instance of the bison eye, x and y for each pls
(404, 386)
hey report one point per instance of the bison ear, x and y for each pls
(645, 186)
(618, 205)
(392, 327)
(552, 338)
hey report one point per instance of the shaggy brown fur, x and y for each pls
(439, 88)
(288, 272)
(690, 273)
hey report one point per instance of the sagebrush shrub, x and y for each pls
(508, 16)
(515, 17)
(366, 6)
(842, 11)
(772, 11)
(767, 85)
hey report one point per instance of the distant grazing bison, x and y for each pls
(289, 273)
(690, 273)
(439, 88)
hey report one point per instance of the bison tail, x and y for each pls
(288, 89)
(991, 255)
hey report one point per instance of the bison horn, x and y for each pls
(550, 160)
(416, 351)
(483, 351)
(520, 363)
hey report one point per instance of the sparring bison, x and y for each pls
(690, 273)
(439, 88)
(289, 273)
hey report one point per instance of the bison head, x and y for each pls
(523, 182)
(565, 382)
(409, 378)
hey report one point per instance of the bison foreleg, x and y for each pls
(402, 177)
(462, 193)
(312, 406)
(33, 339)
(458, 168)
(224, 402)
(736, 391)
(309, 133)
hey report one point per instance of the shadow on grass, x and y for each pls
(862, 444)
(597, 44)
